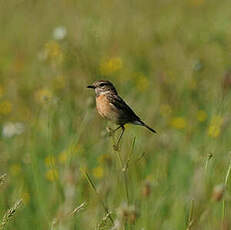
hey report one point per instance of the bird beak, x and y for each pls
(91, 86)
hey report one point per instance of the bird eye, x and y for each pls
(102, 84)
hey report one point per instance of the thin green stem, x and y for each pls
(92, 184)
(226, 182)
(125, 168)
(126, 185)
(120, 159)
(227, 174)
(209, 157)
(190, 218)
(124, 171)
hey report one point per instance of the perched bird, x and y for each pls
(112, 107)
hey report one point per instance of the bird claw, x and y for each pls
(110, 131)
(116, 147)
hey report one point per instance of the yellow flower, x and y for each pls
(142, 83)
(5, 107)
(52, 175)
(111, 65)
(50, 161)
(1, 91)
(178, 123)
(165, 109)
(217, 120)
(53, 51)
(214, 129)
(201, 115)
(43, 95)
(70, 151)
(15, 169)
(63, 156)
(98, 172)
(73, 149)
(105, 159)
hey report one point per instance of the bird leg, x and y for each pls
(117, 128)
(111, 131)
(116, 147)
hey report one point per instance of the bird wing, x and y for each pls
(127, 114)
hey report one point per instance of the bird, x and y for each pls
(112, 107)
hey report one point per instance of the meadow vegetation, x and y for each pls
(170, 60)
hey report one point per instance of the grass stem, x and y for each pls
(226, 182)
(92, 184)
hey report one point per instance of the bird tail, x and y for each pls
(154, 131)
(143, 124)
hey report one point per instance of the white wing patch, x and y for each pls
(137, 123)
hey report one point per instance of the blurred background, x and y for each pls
(170, 60)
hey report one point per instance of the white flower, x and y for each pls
(11, 129)
(59, 33)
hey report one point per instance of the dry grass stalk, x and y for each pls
(104, 222)
(78, 209)
(3, 178)
(72, 213)
(92, 184)
(9, 214)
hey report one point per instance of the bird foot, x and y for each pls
(110, 131)
(116, 147)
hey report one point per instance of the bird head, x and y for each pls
(102, 87)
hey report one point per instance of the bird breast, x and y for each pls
(106, 109)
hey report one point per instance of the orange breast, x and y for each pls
(105, 109)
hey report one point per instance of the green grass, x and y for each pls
(170, 60)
